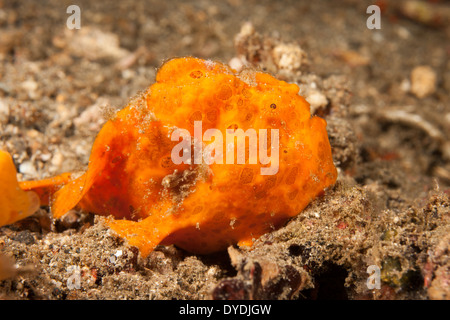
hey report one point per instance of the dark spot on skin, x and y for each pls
(196, 74)
(273, 106)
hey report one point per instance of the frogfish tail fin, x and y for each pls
(15, 203)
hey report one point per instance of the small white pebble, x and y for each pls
(28, 168)
(45, 157)
(4, 111)
(288, 56)
(236, 64)
(423, 81)
(405, 85)
(403, 32)
(57, 159)
(447, 117)
(317, 99)
(29, 85)
(377, 37)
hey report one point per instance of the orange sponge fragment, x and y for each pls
(169, 169)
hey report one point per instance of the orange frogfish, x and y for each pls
(205, 158)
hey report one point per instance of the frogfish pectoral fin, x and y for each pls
(144, 234)
(72, 193)
(68, 196)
